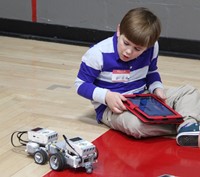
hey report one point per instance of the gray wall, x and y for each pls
(180, 18)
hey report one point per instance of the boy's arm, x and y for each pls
(90, 91)
(89, 71)
(153, 76)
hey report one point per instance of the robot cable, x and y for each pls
(65, 138)
(19, 135)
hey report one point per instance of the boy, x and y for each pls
(127, 63)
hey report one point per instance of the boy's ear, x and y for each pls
(118, 30)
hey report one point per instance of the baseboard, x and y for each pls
(86, 37)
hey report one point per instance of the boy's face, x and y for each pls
(126, 49)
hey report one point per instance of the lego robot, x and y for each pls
(75, 152)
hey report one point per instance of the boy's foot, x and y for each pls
(188, 135)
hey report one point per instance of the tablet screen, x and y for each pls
(151, 106)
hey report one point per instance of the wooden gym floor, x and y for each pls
(37, 90)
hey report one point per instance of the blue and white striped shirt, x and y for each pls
(95, 75)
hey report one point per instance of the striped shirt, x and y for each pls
(101, 62)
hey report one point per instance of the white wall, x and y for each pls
(180, 18)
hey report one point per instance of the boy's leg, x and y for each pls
(128, 123)
(186, 101)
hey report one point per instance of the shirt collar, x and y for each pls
(115, 40)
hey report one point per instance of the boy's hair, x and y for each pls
(141, 27)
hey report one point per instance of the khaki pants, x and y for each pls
(185, 100)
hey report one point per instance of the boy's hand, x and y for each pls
(160, 94)
(114, 101)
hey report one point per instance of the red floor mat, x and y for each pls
(123, 156)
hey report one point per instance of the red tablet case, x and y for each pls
(175, 118)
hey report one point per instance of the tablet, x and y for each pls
(149, 108)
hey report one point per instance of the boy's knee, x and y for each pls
(135, 128)
(189, 88)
